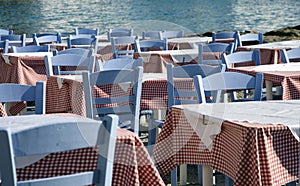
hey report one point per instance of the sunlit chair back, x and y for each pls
(213, 51)
(292, 55)
(228, 81)
(42, 135)
(123, 46)
(249, 39)
(31, 48)
(152, 35)
(66, 64)
(10, 92)
(148, 45)
(120, 94)
(46, 38)
(242, 58)
(169, 34)
(86, 31)
(122, 63)
(119, 32)
(5, 31)
(14, 40)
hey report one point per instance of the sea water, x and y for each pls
(194, 16)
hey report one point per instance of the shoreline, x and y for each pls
(282, 34)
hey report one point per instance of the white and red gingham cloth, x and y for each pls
(250, 153)
(132, 163)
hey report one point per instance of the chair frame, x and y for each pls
(86, 31)
(68, 60)
(143, 45)
(130, 40)
(228, 81)
(241, 57)
(169, 34)
(116, 77)
(18, 93)
(57, 136)
(287, 55)
(119, 32)
(46, 38)
(213, 47)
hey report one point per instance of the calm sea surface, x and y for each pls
(195, 16)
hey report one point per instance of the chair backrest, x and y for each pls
(122, 46)
(31, 48)
(54, 134)
(172, 34)
(119, 32)
(291, 55)
(86, 31)
(78, 51)
(120, 94)
(122, 63)
(248, 39)
(76, 63)
(46, 38)
(184, 94)
(152, 35)
(232, 81)
(223, 35)
(14, 37)
(148, 45)
(10, 92)
(241, 58)
(209, 50)
(5, 31)
(4, 45)
(81, 41)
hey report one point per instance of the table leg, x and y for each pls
(207, 175)
(269, 92)
(183, 174)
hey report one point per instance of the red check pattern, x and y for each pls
(132, 163)
(250, 153)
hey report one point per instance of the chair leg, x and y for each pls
(291, 183)
(174, 177)
(200, 173)
(228, 181)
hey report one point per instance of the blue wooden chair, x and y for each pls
(122, 63)
(123, 46)
(81, 41)
(5, 31)
(240, 58)
(119, 32)
(18, 93)
(248, 39)
(225, 37)
(31, 48)
(18, 40)
(46, 38)
(232, 81)
(148, 45)
(291, 55)
(87, 31)
(4, 45)
(178, 96)
(122, 94)
(78, 51)
(152, 35)
(169, 34)
(213, 48)
(34, 136)
(78, 63)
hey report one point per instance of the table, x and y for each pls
(269, 52)
(251, 142)
(286, 75)
(132, 163)
(66, 94)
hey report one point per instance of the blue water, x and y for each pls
(195, 16)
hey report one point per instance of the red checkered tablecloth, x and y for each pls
(132, 163)
(250, 153)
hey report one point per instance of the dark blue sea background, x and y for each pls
(195, 16)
